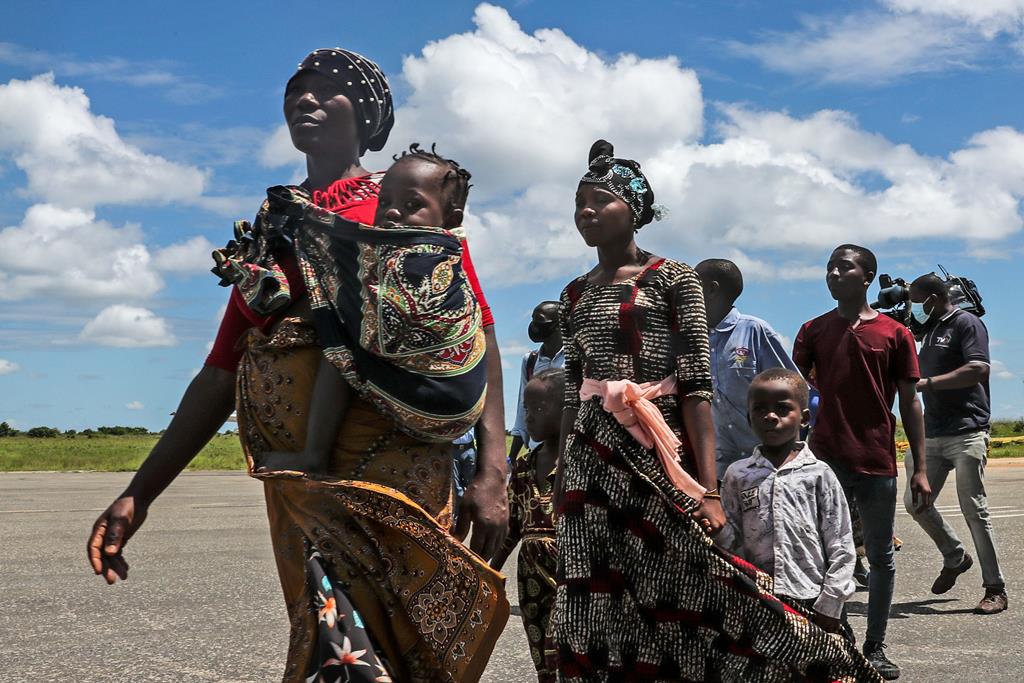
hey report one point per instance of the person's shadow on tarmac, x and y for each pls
(902, 610)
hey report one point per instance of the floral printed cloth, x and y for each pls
(344, 649)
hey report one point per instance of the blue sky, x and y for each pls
(131, 137)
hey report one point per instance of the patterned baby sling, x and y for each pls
(392, 307)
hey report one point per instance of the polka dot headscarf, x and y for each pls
(364, 84)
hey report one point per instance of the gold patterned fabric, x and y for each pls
(531, 520)
(379, 518)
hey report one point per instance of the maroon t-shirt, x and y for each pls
(857, 370)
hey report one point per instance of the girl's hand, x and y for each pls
(829, 624)
(710, 515)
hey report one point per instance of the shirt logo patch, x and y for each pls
(749, 499)
(943, 340)
(741, 357)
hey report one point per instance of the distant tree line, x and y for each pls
(53, 432)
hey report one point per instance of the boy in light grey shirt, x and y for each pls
(786, 511)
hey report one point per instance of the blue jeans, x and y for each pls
(463, 471)
(966, 454)
(875, 498)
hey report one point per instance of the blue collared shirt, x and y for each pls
(465, 439)
(543, 363)
(741, 347)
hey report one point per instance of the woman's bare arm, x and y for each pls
(696, 414)
(485, 504)
(207, 403)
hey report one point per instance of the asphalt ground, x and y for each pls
(202, 602)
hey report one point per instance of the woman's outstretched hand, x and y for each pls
(109, 535)
(485, 508)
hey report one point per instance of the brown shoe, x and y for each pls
(994, 602)
(947, 577)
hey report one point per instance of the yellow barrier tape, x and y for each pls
(902, 446)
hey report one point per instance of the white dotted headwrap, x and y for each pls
(364, 84)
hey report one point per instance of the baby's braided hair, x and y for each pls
(457, 176)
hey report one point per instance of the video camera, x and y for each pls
(894, 298)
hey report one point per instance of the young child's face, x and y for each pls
(412, 193)
(542, 404)
(775, 413)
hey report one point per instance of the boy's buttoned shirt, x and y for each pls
(794, 524)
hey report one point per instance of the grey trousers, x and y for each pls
(965, 454)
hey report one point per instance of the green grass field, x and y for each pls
(107, 453)
(125, 453)
(1006, 443)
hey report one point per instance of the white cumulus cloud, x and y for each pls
(73, 161)
(520, 111)
(134, 405)
(999, 370)
(277, 150)
(893, 39)
(518, 108)
(7, 367)
(191, 256)
(67, 253)
(127, 327)
(75, 158)
(768, 189)
(777, 181)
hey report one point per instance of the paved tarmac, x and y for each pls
(202, 602)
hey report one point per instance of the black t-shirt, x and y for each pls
(948, 344)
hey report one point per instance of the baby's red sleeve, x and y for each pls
(487, 318)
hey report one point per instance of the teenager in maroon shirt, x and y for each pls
(859, 360)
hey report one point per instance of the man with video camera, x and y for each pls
(954, 363)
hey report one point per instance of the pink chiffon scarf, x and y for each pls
(632, 406)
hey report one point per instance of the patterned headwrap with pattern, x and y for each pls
(364, 84)
(624, 179)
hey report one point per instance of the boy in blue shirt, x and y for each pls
(741, 347)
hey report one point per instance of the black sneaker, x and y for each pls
(874, 652)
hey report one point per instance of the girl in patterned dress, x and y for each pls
(643, 593)
(531, 517)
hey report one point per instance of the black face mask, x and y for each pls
(539, 331)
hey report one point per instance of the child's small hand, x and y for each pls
(280, 461)
(274, 461)
(826, 623)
